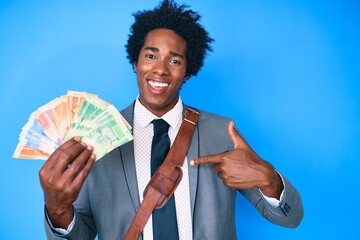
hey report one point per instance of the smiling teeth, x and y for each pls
(158, 84)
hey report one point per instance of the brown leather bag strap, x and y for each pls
(168, 176)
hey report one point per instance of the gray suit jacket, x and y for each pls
(109, 198)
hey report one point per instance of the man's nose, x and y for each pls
(161, 67)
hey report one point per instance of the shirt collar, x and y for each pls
(144, 117)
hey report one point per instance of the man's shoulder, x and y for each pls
(212, 128)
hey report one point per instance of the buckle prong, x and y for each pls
(189, 121)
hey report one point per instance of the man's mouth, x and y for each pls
(158, 84)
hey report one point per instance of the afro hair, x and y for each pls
(183, 21)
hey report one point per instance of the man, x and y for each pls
(166, 47)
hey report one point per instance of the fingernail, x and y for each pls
(192, 162)
(90, 148)
(77, 138)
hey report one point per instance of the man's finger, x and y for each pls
(84, 172)
(235, 136)
(68, 155)
(52, 160)
(205, 160)
(78, 163)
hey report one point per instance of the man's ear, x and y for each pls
(186, 77)
(135, 66)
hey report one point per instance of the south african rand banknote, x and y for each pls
(81, 114)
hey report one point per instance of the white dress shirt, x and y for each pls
(143, 134)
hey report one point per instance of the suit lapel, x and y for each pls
(130, 171)
(128, 160)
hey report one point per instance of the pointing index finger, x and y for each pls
(205, 160)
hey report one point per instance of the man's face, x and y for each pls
(161, 70)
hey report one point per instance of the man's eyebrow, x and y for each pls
(174, 54)
(154, 49)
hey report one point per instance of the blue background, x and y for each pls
(286, 71)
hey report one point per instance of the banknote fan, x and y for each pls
(81, 114)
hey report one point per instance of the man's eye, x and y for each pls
(150, 56)
(174, 61)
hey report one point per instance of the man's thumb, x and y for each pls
(235, 136)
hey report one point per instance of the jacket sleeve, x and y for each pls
(288, 214)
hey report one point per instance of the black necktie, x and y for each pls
(164, 219)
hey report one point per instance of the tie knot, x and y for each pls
(160, 126)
